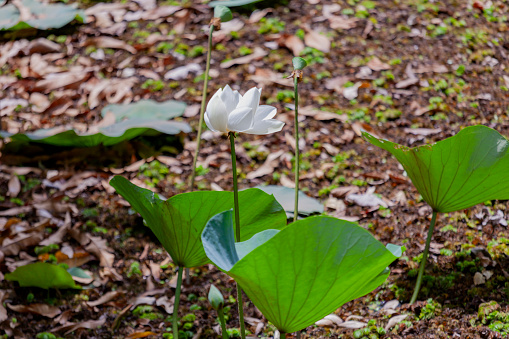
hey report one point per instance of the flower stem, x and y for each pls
(231, 135)
(202, 110)
(424, 258)
(176, 305)
(220, 315)
(297, 151)
(282, 335)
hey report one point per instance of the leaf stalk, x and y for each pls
(297, 151)
(424, 258)
(231, 135)
(176, 305)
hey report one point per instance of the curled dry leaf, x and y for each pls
(268, 166)
(41, 309)
(104, 299)
(377, 65)
(265, 76)
(107, 42)
(395, 320)
(14, 186)
(316, 40)
(292, 42)
(257, 54)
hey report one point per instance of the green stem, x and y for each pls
(202, 110)
(297, 151)
(176, 305)
(298, 335)
(222, 322)
(231, 135)
(282, 335)
(424, 258)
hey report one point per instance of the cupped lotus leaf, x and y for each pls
(42, 275)
(179, 221)
(458, 172)
(301, 273)
(42, 16)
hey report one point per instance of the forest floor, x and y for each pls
(423, 70)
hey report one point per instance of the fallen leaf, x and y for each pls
(144, 334)
(104, 299)
(368, 199)
(422, 131)
(14, 186)
(316, 40)
(395, 320)
(182, 72)
(377, 65)
(352, 92)
(41, 309)
(258, 53)
(435, 68)
(340, 22)
(108, 42)
(268, 166)
(479, 279)
(166, 303)
(265, 76)
(71, 327)
(352, 324)
(321, 115)
(292, 42)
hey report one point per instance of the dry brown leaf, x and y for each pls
(96, 246)
(377, 65)
(435, 68)
(21, 241)
(264, 76)
(258, 14)
(340, 22)
(258, 53)
(42, 46)
(104, 299)
(407, 83)
(166, 303)
(310, 111)
(108, 42)
(14, 186)
(41, 309)
(71, 327)
(39, 102)
(3, 311)
(58, 80)
(422, 131)
(56, 238)
(316, 40)
(292, 42)
(268, 166)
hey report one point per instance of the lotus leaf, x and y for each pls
(232, 3)
(179, 221)
(42, 16)
(42, 275)
(298, 275)
(141, 118)
(458, 172)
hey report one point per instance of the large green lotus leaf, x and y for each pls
(286, 197)
(300, 274)
(146, 110)
(179, 221)
(232, 3)
(145, 117)
(458, 172)
(43, 16)
(42, 275)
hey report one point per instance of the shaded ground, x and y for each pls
(425, 69)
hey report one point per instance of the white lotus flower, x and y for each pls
(228, 111)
